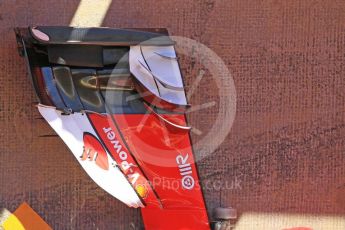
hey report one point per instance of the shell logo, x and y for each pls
(141, 190)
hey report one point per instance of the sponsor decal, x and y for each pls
(141, 190)
(123, 159)
(121, 154)
(186, 172)
(94, 151)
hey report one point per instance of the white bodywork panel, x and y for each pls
(156, 67)
(71, 129)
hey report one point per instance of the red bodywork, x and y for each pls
(163, 160)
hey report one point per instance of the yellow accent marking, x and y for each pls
(141, 190)
(279, 221)
(12, 223)
(90, 13)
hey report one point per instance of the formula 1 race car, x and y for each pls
(116, 98)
